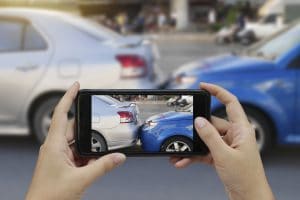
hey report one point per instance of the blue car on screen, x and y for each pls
(168, 132)
(265, 78)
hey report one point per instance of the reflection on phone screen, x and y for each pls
(142, 123)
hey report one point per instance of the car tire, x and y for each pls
(174, 144)
(98, 142)
(248, 39)
(262, 125)
(42, 117)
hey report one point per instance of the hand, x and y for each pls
(233, 150)
(59, 172)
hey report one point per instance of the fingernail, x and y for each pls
(118, 158)
(200, 122)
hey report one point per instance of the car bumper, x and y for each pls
(149, 139)
(122, 136)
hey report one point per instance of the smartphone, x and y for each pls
(140, 122)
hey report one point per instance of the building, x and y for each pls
(180, 8)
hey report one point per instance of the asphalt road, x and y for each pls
(152, 178)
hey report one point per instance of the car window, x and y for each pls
(11, 35)
(270, 19)
(33, 39)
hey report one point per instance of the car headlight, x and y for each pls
(151, 124)
(186, 79)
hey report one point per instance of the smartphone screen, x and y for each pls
(141, 123)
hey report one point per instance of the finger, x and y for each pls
(234, 109)
(66, 101)
(220, 124)
(227, 139)
(210, 136)
(99, 167)
(70, 130)
(175, 159)
(60, 115)
(184, 162)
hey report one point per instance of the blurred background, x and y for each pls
(251, 47)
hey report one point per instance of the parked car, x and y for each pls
(43, 52)
(168, 132)
(185, 100)
(114, 124)
(265, 78)
(265, 27)
(227, 34)
(252, 32)
(173, 101)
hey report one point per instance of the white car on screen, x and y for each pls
(115, 124)
(43, 52)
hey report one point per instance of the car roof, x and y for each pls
(35, 14)
(31, 11)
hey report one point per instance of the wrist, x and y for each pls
(261, 191)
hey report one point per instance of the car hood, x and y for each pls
(225, 63)
(171, 116)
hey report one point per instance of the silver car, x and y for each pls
(114, 124)
(43, 52)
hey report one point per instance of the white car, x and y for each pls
(43, 52)
(115, 124)
(265, 27)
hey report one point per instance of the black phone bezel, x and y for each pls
(83, 119)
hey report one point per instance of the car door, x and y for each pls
(295, 65)
(24, 55)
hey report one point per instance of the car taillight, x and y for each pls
(133, 66)
(125, 117)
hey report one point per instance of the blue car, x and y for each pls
(265, 78)
(168, 132)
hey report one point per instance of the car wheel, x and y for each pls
(248, 39)
(261, 125)
(177, 144)
(98, 143)
(42, 117)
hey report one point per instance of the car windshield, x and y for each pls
(275, 46)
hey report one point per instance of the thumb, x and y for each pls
(210, 136)
(101, 166)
